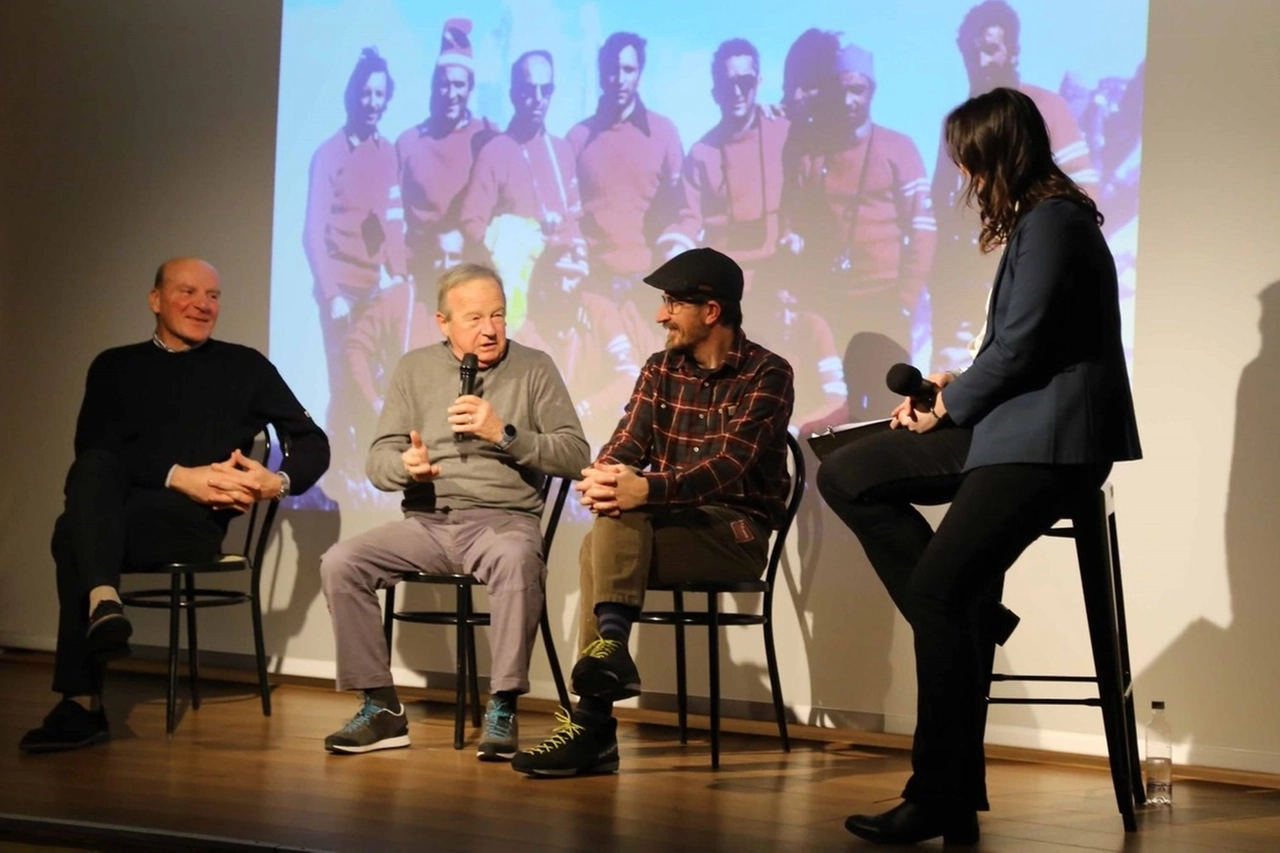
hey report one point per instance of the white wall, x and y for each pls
(138, 129)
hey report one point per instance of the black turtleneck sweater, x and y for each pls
(155, 409)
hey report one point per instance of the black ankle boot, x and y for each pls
(911, 823)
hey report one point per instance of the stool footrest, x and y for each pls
(439, 617)
(997, 700)
(1066, 679)
(699, 617)
(163, 598)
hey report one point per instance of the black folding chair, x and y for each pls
(713, 618)
(183, 594)
(465, 618)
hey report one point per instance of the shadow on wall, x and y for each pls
(313, 520)
(846, 618)
(1223, 662)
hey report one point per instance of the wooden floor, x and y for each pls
(228, 778)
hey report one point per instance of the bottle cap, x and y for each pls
(1157, 706)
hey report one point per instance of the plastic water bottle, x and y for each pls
(1159, 764)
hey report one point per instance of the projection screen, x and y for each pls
(576, 145)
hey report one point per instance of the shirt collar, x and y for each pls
(155, 339)
(733, 358)
(353, 141)
(723, 135)
(433, 126)
(639, 117)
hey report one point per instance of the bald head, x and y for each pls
(180, 265)
(185, 300)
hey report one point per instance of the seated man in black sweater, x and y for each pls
(161, 466)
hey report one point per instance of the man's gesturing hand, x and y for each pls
(417, 461)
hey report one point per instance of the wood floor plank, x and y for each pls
(228, 772)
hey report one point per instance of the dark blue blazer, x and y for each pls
(1049, 384)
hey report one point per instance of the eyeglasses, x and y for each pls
(536, 90)
(744, 83)
(673, 305)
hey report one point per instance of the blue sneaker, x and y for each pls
(373, 727)
(501, 738)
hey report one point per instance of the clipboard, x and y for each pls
(833, 438)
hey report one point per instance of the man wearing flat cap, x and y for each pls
(689, 487)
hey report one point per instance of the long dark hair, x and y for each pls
(1001, 141)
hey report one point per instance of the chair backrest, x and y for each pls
(793, 507)
(255, 548)
(551, 518)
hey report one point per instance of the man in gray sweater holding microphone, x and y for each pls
(470, 466)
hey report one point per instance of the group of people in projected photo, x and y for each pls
(854, 254)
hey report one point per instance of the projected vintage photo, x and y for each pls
(575, 146)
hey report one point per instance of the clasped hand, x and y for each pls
(611, 489)
(909, 414)
(236, 484)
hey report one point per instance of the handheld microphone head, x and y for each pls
(903, 379)
(906, 380)
(467, 374)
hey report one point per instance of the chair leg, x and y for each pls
(473, 676)
(171, 695)
(548, 641)
(713, 672)
(389, 615)
(193, 654)
(682, 688)
(1093, 555)
(775, 684)
(987, 645)
(1126, 672)
(260, 650)
(460, 668)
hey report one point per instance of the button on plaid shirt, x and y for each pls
(711, 436)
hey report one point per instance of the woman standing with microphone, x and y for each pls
(1012, 442)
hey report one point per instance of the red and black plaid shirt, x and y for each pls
(711, 436)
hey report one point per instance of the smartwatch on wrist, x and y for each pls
(508, 435)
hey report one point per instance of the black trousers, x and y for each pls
(942, 581)
(107, 524)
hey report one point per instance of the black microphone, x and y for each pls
(467, 374)
(906, 380)
(466, 383)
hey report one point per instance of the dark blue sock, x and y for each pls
(615, 620)
(384, 697)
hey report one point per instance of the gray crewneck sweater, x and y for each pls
(525, 390)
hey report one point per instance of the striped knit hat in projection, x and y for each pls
(455, 44)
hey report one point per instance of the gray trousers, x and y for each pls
(502, 549)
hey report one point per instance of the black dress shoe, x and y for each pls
(911, 823)
(109, 632)
(68, 726)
